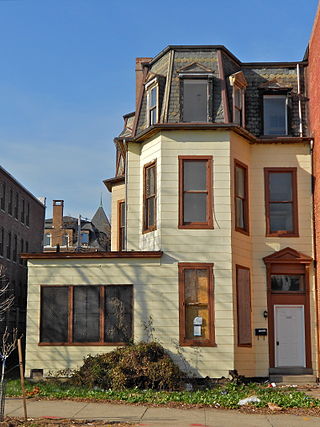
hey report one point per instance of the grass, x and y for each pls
(225, 396)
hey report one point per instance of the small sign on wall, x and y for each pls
(261, 332)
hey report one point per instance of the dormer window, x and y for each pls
(46, 242)
(195, 93)
(152, 102)
(84, 238)
(275, 114)
(239, 83)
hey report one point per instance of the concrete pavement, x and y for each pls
(152, 417)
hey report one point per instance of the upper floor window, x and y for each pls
(195, 192)
(46, 240)
(84, 238)
(238, 105)
(152, 104)
(9, 245)
(10, 203)
(28, 215)
(3, 196)
(23, 204)
(195, 100)
(149, 196)
(16, 206)
(241, 197)
(1, 241)
(121, 225)
(281, 202)
(275, 115)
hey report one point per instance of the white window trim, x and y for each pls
(286, 112)
(50, 238)
(149, 86)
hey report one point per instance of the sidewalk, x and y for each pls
(152, 417)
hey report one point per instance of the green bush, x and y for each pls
(144, 366)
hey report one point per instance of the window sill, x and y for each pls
(87, 344)
(149, 230)
(282, 234)
(242, 231)
(245, 345)
(196, 226)
(194, 343)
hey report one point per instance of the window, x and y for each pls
(195, 192)
(243, 306)
(1, 241)
(195, 100)
(196, 304)
(15, 248)
(281, 202)
(152, 103)
(10, 203)
(241, 197)
(87, 314)
(238, 105)
(84, 238)
(9, 246)
(28, 215)
(149, 196)
(21, 250)
(121, 225)
(275, 120)
(65, 240)
(3, 196)
(22, 210)
(287, 283)
(46, 240)
(16, 207)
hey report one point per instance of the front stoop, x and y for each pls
(293, 379)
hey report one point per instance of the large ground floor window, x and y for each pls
(94, 315)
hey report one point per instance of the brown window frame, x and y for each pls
(240, 109)
(210, 342)
(153, 227)
(121, 229)
(238, 164)
(209, 204)
(103, 315)
(241, 342)
(294, 202)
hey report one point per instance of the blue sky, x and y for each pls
(67, 76)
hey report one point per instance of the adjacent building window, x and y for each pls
(121, 225)
(196, 304)
(46, 240)
(243, 306)
(21, 250)
(195, 192)
(10, 203)
(65, 240)
(23, 204)
(195, 100)
(152, 104)
(241, 197)
(28, 215)
(15, 248)
(9, 245)
(3, 196)
(281, 202)
(149, 196)
(16, 206)
(275, 115)
(1, 241)
(84, 238)
(87, 314)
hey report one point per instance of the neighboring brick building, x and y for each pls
(21, 230)
(313, 58)
(62, 233)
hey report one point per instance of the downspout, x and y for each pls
(300, 105)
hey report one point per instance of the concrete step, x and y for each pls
(293, 379)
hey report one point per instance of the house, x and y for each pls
(65, 233)
(21, 230)
(212, 231)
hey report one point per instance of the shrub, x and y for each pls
(144, 366)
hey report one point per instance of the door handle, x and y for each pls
(277, 342)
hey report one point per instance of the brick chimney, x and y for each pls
(139, 76)
(57, 218)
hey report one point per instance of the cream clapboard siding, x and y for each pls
(242, 255)
(118, 193)
(278, 155)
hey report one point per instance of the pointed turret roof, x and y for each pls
(100, 220)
